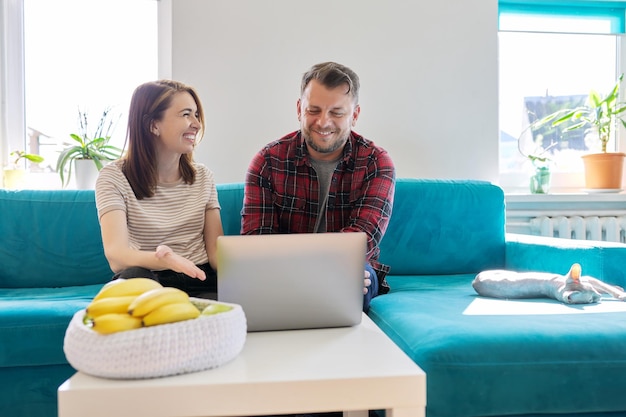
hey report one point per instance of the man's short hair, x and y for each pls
(331, 75)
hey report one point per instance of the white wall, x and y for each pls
(428, 76)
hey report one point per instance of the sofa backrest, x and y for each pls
(441, 227)
(437, 226)
(50, 239)
(231, 201)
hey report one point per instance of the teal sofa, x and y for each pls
(441, 234)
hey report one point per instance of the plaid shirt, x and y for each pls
(282, 192)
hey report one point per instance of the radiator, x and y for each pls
(609, 228)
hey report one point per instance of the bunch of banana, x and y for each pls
(126, 304)
(163, 305)
(108, 311)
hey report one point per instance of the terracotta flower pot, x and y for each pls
(604, 170)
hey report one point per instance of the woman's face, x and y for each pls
(177, 131)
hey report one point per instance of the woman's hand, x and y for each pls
(177, 263)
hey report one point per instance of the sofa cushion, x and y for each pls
(33, 323)
(68, 247)
(503, 360)
(460, 229)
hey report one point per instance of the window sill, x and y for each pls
(43, 181)
(566, 200)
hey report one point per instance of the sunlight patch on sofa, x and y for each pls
(482, 306)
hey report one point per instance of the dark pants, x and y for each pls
(168, 278)
(373, 290)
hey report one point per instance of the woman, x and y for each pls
(158, 209)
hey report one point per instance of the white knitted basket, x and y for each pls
(168, 349)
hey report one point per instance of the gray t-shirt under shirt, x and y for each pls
(324, 170)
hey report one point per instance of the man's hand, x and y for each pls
(367, 282)
(177, 263)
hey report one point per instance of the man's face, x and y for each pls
(326, 118)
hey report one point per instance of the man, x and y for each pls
(324, 177)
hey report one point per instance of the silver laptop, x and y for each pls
(293, 281)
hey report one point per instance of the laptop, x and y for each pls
(293, 281)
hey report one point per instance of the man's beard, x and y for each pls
(332, 146)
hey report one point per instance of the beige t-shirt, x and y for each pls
(174, 216)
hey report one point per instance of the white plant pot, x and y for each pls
(85, 174)
(13, 179)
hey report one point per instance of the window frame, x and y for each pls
(14, 130)
(12, 106)
(615, 11)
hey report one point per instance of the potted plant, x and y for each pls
(601, 117)
(14, 172)
(94, 151)
(541, 163)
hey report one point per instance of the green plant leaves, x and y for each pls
(96, 149)
(28, 156)
(600, 114)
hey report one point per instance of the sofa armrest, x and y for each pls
(602, 260)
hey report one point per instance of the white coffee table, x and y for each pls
(352, 369)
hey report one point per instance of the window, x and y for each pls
(77, 55)
(551, 57)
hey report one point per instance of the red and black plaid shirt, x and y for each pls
(282, 192)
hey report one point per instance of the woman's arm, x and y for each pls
(121, 256)
(212, 229)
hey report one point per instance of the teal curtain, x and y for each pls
(614, 11)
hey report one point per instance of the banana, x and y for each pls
(114, 322)
(153, 299)
(171, 313)
(109, 305)
(130, 286)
